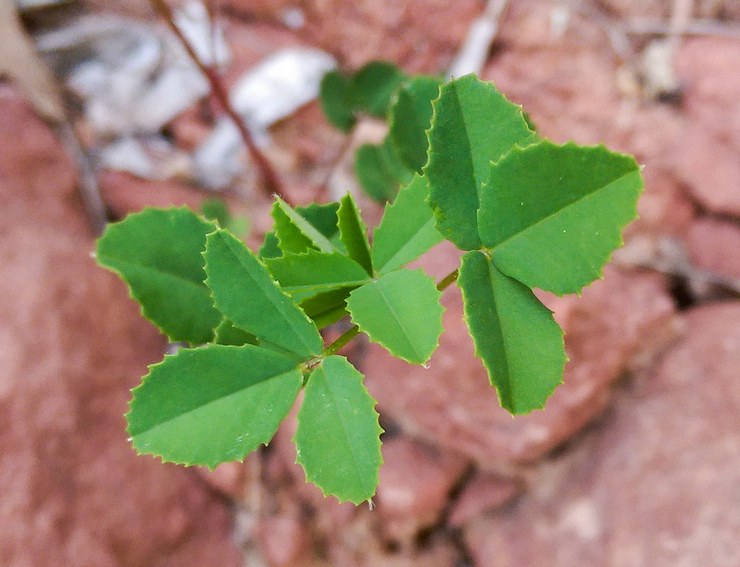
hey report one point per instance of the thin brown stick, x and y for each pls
(272, 183)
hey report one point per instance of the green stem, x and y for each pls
(343, 339)
(448, 280)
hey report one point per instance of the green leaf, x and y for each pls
(410, 117)
(327, 308)
(406, 230)
(213, 404)
(306, 275)
(270, 246)
(401, 311)
(372, 87)
(246, 294)
(295, 232)
(215, 209)
(336, 100)
(353, 233)
(338, 436)
(552, 215)
(157, 253)
(227, 334)
(323, 217)
(515, 335)
(473, 124)
(379, 171)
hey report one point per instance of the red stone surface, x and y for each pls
(415, 483)
(483, 493)
(656, 486)
(421, 35)
(71, 346)
(714, 245)
(707, 152)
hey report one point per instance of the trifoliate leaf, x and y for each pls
(372, 87)
(515, 335)
(336, 100)
(353, 233)
(552, 215)
(473, 124)
(407, 229)
(380, 171)
(213, 404)
(401, 311)
(304, 276)
(338, 436)
(247, 295)
(409, 120)
(158, 253)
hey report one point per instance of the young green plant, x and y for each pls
(527, 213)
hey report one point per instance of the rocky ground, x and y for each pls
(635, 461)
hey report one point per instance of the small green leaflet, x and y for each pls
(309, 234)
(409, 120)
(338, 436)
(473, 124)
(247, 295)
(213, 404)
(373, 86)
(227, 334)
(336, 100)
(401, 311)
(379, 171)
(353, 233)
(304, 276)
(327, 308)
(157, 252)
(406, 230)
(552, 215)
(519, 342)
(288, 237)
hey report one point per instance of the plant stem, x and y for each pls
(343, 339)
(448, 280)
(272, 183)
(354, 330)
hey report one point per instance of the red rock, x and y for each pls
(415, 482)
(714, 245)
(72, 344)
(618, 321)
(482, 494)
(419, 35)
(706, 154)
(656, 485)
(283, 538)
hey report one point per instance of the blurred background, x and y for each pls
(634, 462)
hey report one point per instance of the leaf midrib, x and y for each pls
(345, 429)
(546, 218)
(408, 243)
(398, 321)
(129, 264)
(271, 298)
(240, 390)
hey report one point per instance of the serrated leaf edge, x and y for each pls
(141, 452)
(377, 342)
(259, 260)
(379, 430)
(479, 355)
